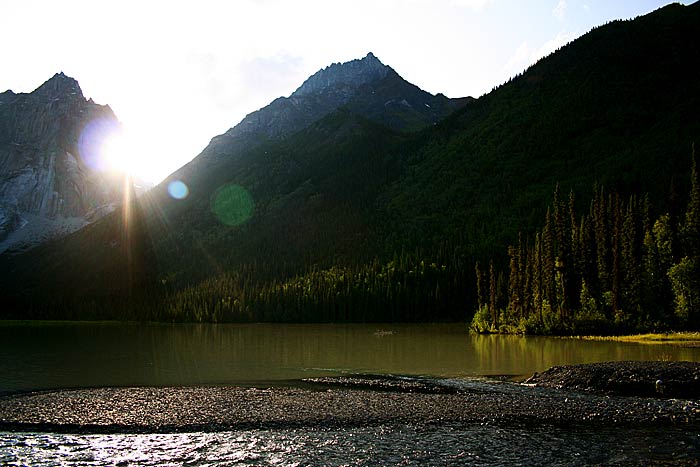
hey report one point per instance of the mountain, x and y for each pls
(350, 97)
(51, 183)
(365, 87)
(338, 214)
(616, 107)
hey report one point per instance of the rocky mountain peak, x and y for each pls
(365, 86)
(51, 178)
(58, 86)
(352, 74)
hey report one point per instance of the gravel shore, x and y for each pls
(645, 379)
(332, 402)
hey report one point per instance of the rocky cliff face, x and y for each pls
(52, 180)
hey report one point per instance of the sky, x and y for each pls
(177, 73)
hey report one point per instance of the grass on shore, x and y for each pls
(684, 339)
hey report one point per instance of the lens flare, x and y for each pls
(92, 138)
(232, 205)
(178, 190)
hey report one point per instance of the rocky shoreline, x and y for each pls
(642, 379)
(352, 401)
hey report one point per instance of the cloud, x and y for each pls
(525, 55)
(473, 4)
(559, 11)
(519, 59)
(551, 45)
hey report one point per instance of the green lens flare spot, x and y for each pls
(232, 205)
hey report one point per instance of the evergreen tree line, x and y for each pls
(614, 269)
(408, 288)
(397, 291)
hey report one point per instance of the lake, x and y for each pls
(37, 356)
(40, 356)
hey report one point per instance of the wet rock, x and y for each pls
(144, 409)
(646, 379)
(383, 383)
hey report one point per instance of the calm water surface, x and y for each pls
(36, 356)
(68, 355)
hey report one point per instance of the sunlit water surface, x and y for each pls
(384, 445)
(40, 356)
(37, 356)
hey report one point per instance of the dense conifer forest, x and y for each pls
(613, 269)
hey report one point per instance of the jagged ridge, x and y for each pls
(352, 75)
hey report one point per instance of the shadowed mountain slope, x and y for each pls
(617, 107)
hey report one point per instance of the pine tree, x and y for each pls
(691, 224)
(630, 266)
(479, 285)
(663, 237)
(674, 209)
(615, 274)
(537, 278)
(559, 222)
(493, 306)
(652, 281)
(575, 261)
(515, 282)
(547, 262)
(526, 274)
(602, 238)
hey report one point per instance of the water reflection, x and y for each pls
(45, 356)
(514, 355)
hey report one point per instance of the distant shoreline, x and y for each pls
(681, 339)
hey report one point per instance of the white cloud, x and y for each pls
(519, 59)
(525, 55)
(473, 4)
(559, 11)
(551, 45)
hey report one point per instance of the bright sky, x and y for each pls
(177, 73)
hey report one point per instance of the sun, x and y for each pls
(132, 153)
(120, 153)
(147, 153)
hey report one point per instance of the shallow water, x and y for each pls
(37, 356)
(69, 355)
(432, 445)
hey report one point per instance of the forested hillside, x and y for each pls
(613, 269)
(349, 220)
